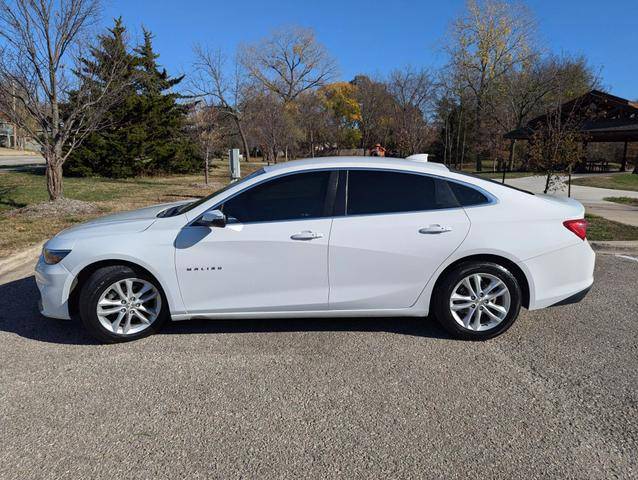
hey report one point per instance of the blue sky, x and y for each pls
(370, 36)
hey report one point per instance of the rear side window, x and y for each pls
(467, 196)
(292, 197)
(373, 192)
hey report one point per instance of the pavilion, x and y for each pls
(601, 117)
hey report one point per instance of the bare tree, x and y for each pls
(377, 109)
(538, 82)
(487, 41)
(38, 61)
(208, 132)
(556, 144)
(413, 93)
(272, 125)
(314, 120)
(289, 62)
(228, 93)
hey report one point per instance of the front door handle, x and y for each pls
(435, 228)
(306, 235)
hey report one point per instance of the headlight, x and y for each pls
(51, 257)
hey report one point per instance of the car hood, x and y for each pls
(122, 222)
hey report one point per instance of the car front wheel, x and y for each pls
(118, 304)
(477, 300)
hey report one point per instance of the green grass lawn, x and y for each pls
(625, 181)
(602, 229)
(624, 200)
(21, 189)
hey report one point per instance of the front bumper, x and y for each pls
(52, 281)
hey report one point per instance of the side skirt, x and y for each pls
(404, 312)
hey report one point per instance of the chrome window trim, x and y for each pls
(490, 197)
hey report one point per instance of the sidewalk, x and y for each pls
(591, 197)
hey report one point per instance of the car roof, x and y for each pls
(357, 162)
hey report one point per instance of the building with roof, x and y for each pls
(599, 117)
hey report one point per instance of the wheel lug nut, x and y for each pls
(473, 297)
(123, 310)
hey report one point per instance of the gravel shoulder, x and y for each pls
(555, 397)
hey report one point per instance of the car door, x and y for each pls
(397, 229)
(271, 256)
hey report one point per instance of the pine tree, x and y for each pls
(167, 147)
(145, 133)
(105, 152)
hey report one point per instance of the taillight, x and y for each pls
(578, 227)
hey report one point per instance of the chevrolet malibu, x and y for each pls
(328, 237)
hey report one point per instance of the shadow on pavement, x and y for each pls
(19, 315)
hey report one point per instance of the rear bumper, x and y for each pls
(575, 298)
(561, 277)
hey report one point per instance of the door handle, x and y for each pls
(435, 228)
(306, 235)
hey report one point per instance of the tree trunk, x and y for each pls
(510, 161)
(623, 165)
(458, 139)
(206, 167)
(54, 178)
(312, 144)
(479, 163)
(244, 141)
(549, 176)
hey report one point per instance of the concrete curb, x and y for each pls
(617, 246)
(17, 260)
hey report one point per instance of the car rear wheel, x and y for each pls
(118, 304)
(477, 300)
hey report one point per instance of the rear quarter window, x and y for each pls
(468, 196)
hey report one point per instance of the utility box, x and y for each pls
(235, 169)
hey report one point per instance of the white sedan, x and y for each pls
(327, 237)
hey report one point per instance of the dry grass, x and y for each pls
(27, 218)
(625, 181)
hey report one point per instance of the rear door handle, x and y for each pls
(435, 228)
(306, 235)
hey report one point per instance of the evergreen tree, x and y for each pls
(146, 132)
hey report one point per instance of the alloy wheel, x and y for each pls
(480, 302)
(129, 306)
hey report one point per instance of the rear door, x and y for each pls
(397, 229)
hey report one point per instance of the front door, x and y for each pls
(397, 230)
(271, 256)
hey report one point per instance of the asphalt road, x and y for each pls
(555, 397)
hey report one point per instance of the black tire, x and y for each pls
(445, 288)
(93, 288)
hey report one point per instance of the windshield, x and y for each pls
(178, 210)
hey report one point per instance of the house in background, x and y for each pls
(7, 137)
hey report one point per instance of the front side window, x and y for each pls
(374, 192)
(291, 197)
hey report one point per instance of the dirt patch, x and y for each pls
(62, 207)
(210, 186)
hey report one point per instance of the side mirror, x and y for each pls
(213, 218)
